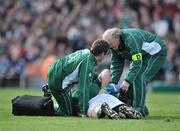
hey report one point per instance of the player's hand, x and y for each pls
(102, 91)
(124, 87)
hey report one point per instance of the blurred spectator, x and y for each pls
(33, 30)
(12, 66)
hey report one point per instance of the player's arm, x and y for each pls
(84, 82)
(116, 68)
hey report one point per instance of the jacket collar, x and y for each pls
(92, 57)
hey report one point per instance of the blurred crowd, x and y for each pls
(33, 30)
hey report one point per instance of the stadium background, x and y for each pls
(33, 32)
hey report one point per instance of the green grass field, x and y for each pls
(164, 116)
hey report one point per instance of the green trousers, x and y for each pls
(62, 96)
(137, 91)
(67, 100)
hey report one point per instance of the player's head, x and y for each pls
(99, 49)
(112, 36)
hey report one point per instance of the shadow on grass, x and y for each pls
(167, 118)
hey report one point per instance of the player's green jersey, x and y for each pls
(77, 67)
(136, 45)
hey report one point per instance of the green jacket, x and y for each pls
(78, 67)
(135, 47)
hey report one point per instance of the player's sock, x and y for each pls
(99, 112)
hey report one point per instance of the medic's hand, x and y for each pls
(124, 87)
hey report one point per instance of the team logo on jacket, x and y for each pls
(90, 74)
(137, 57)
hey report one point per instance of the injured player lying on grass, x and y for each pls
(108, 106)
(105, 105)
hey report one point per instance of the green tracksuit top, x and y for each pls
(78, 67)
(136, 45)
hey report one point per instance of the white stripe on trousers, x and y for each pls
(144, 73)
(66, 102)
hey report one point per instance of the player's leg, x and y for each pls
(62, 96)
(104, 111)
(149, 69)
(96, 112)
(127, 97)
(64, 101)
(99, 82)
(110, 113)
(104, 77)
(129, 112)
(103, 105)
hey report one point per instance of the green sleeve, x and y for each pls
(117, 65)
(134, 43)
(84, 82)
(95, 76)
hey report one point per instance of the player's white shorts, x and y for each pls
(101, 98)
